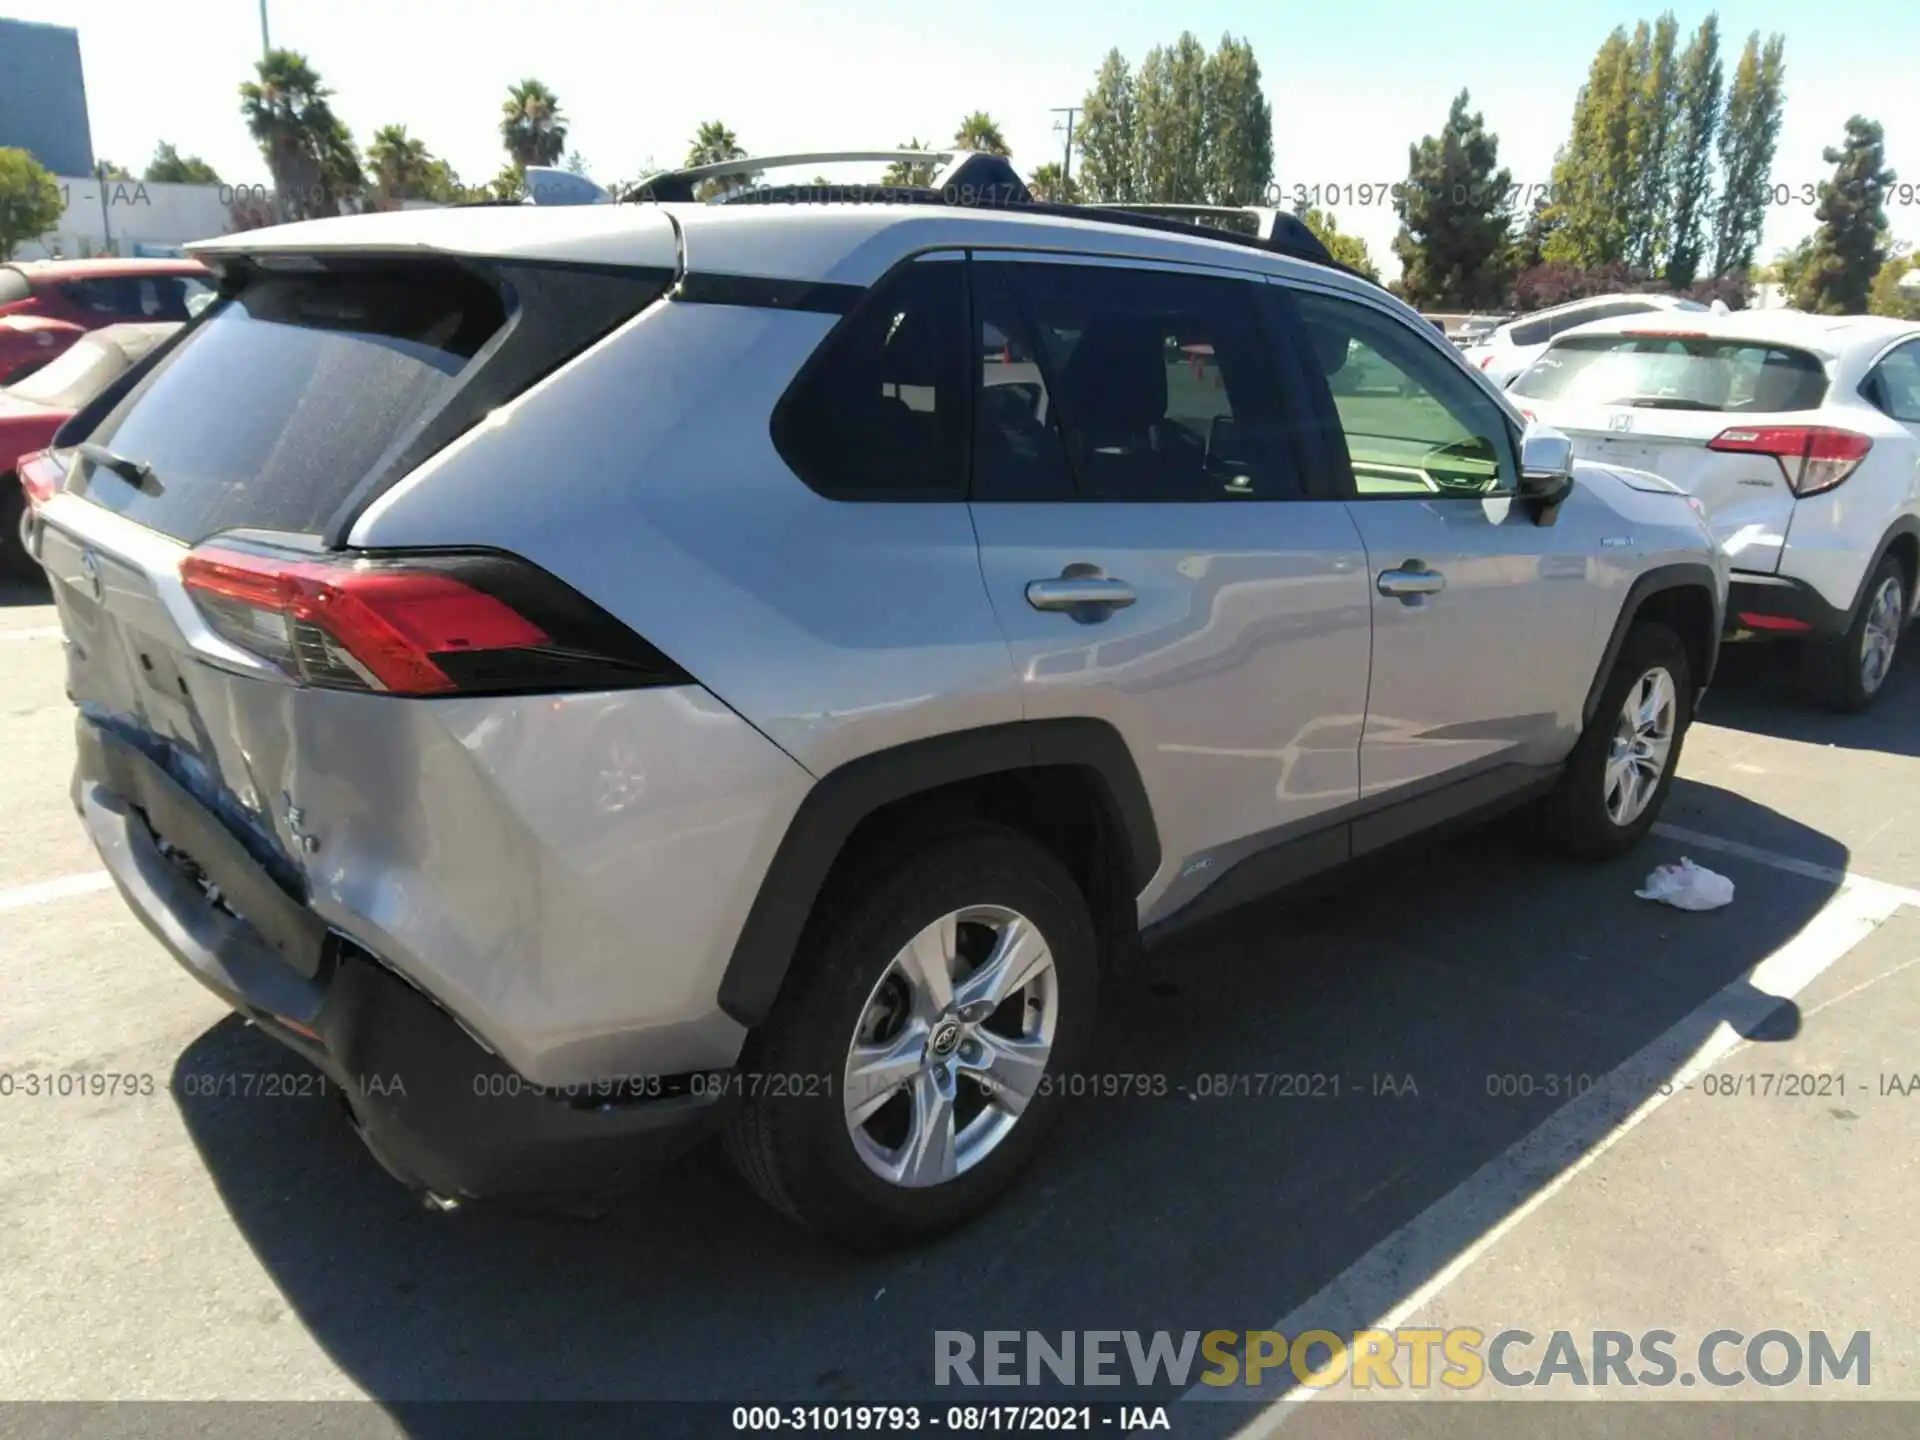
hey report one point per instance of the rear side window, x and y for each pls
(1896, 383)
(288, 395)
(1676, 373)
(1532, 332)
(13, 286)
(879, 412)
(1134, 385)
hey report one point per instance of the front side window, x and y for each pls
(1126, 385)
(1414, 424)
(879, 412)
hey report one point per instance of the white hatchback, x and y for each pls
(1798, 434)
(1517, 343)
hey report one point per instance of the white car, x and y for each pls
(1798, 434)
(1515, 345)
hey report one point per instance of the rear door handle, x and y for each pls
(1411, 581)
(1079, 593)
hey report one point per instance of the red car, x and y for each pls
(32, 409)
(46, 304)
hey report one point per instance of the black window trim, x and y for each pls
(1301, 419)
(1333, 434)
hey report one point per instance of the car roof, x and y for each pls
(1826, 335)
(107, 267)
(844, 243)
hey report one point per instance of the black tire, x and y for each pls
(15, 562)
(795, 1149)
(1833, 671)
(1576, 811)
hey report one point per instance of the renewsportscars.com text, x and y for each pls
(1407, 1358)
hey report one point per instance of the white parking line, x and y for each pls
(32, 632)
(63, 888)
(1445, 1240)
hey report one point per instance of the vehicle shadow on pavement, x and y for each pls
(1436, 1005)
(23, 592)
(1757, 691)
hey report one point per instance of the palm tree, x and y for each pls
(917, 174)
(714, 144)
(979, 132)
(287, 113)
(402, 167)
(1050, 183)
(531, 125)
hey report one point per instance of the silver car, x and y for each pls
(590, 676)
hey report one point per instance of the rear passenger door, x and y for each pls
(1482, 622)
(1154, 555)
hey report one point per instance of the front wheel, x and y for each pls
(1619, 774)
(910, 1067)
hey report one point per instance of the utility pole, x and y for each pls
(1066, 167)
(265, 44)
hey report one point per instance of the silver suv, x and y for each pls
(588, 676)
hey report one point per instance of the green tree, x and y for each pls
(1650, 130)
(288, 113)
(914, 174)
(1690, 155)
(1786, 268)
(401, 166)
(576, 164)
(169, 167)
(979, 131)
(108, 170)
(1050, 183)
(714, 144)
(1109, 134)
(1593, 179)
(1455, 214)
(1851, 244)
(532, 127)
(340, 168)
(1350, 250)
(510, 183)
(1170, 93)
(1748, 134)
(30, 200)
(1239, 126)
(1889, 297)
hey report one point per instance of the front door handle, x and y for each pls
(1411, 582)
(1080, 594)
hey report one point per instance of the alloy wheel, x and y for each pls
(951, 1046)
(1881, 634)
(1642, 745)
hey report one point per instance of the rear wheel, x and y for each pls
(1849, 672)
(16, 561)
(903, 1078)
(1619, 774)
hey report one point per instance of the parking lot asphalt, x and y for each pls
(1501, 1152)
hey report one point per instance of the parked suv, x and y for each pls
(1799, 434)
(1509, 347)
(584, 677)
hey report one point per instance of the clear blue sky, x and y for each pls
(1352, 83)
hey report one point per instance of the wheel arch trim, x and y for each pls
(834, 808)
(1680, 575)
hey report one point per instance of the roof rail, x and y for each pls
(982, 181)
(958, 169)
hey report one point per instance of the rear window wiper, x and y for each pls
(133, 472)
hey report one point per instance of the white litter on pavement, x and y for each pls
(1687, 886)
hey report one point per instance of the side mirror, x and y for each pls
(1546, 470)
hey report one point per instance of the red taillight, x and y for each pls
(1485, 361)
(420, 625)
(41, 474)
(1812, 457)
(1527, 415)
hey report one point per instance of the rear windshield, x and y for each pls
(1678, 373)
(288, 395)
